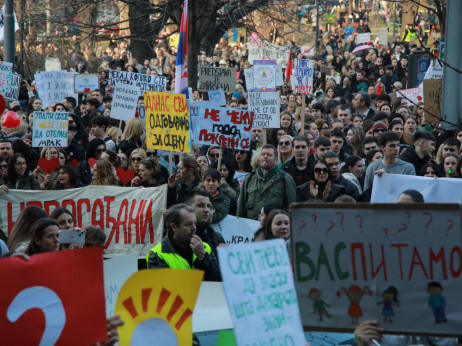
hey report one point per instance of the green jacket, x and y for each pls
(256, 191)
(28, 182)
(221, 204)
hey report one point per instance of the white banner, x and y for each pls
(236, 230)
(412, 96)
(54, 86)
(130, 217)
(263, 50)
(388, 187)
(124, 101)
(144, 82)
(266, 109)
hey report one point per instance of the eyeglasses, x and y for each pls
(20, 164)
(286, 143)
(242, 152)
(379, 130)
(3, 166)
(320, 170)
(137, 159)
(100, 151)
(151, 153)
(214, 155)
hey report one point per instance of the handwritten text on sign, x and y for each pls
(13, 91)
(303, 76)
(85, 83)
(266, 108)
(6, 71)
(54, 86)
(259, 288)
(403, 250)
(264, 50)
(224, 127)
(167, 122)
(50, 129)
(124, 101)
(145, 82)
(213, 78)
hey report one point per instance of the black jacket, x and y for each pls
(350, 188)
(410, 155)
(303, 192)
(181, 193)
(300, 177)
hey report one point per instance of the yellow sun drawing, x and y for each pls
(157, 305)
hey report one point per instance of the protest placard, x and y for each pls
(12, 93)
(388, 187)
(258, 285)
(364, 37)
(307, 50)
(130, 217)
(85, 83)
(167, 122)
(116, 271)
(50, 129)
(383, 36)
(249, 77)
(264, 75)
(412, 96)
(396, 264)
(435, 71)
(224, 127)
(266, 109)
(213, 78)
(264, 50)
(433, 99)
(124, 101)
(303, 76)
(54, 86)
(41, 306)
(236, 230)
(6, 73)
(144, 82)
(217, 97)
(53, 64)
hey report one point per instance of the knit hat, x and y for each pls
(379, 125)
(380, 116)
(236, 95)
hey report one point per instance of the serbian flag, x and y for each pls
(289, 68)
(181, 72)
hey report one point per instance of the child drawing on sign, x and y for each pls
(436, 301)
(354, 295)
(319, 305)
(390, 298)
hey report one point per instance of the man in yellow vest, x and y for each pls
(409, 34)
(181, 248)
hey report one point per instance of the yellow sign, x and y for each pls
(167, 121)
(174, 40)
(157, 305)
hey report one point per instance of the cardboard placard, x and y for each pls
(364, 37)
(50, 129)
(303, 76)
(53, 64)
(12, 93)
(236, 230)
(85, 83)
(264, 75)
(144, 82)
(266, 109)
(433, 99)
(213, 78)
(217, 97)
(54, 86)
(383, 36)
(124, 101)
(264, 50)
(307, 50)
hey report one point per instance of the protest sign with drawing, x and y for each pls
(303, 76)
(224, 127)
(167, 122)
(6, 73)
(264, 50)
(144, 82)
(54, 86)
(433, 100)
(50, 129)
(217, 97)
(266, 109)
(213, 78)
(307, 50)
(259, 288)
(249, 77)
(399, 264)
(85, 83)
(124, 101)
(264, 75)
(12, 93)
(412, 96)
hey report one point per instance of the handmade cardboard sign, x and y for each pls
(144, 82)
(6, 74)
(124, 101)
(264, 75)
(213, 78)
(383, 36)
(303, 76)
(12, 93)
(50, 129)
(433, 99)
(266, 109)
(85, 83)
(217, 97)
(264, 50)
(364, 37)
(54, 86)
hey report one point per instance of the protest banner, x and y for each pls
(116, 271)
(224, 127)
(364, 37)
(213, 78)
(12, 92)
(157, 305)
(249, 77)
(433, 99)
(6, 73)
(258, 285)
(394, 263)
(53, 64)
(124, 101)
(303, 76)
(130, 217)
(217, 97)
(412, 96)
(264, 75)
(54, 86)
(383, 36)
(85, 83)
(43, 306)
(236, 230)
(50, 129)
(211, 311)
(167, 122)
(144, 82)
(435, 71)
(264, 50)
(266, 109)
(388, 187)
(307, 50)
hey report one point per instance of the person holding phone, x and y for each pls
(44, 237)
(181, 185)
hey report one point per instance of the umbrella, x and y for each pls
(361, 48)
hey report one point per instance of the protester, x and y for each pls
(44, 237)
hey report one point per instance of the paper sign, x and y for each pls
(167, 122)
(258, 285)
(41, 305)
(398, 264)
(217, 97)
(435, 71)
(116, 271)
(383, 36)
(236, 230)
(85, 83)
(411, 96)
(264, 75)
(157, 305)
(12, 93)
(264, 50)
(364, 37)
(53, 64)
(224, 127)
(433, 99)
(266, 109)
(6, 73)
(249, 77)
(214, 78)
(50, 129)
(54, 86)
(144, 82)
(307, 50)
(303, 76)
(124, 101)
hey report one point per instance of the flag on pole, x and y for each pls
(181, 72)
(289, 68)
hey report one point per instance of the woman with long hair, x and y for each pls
(181, 185)
(353, 170)
(136, 157)
(410, 127)
(66, 178)
(450, 166)
(149, 174)
(103, 174)
(277, 225)
(287, 122)
(95, 149)
(19, 177)
(285, 149)
(355, 136)
(229, 183)
(44, 237)
(242, 162)
(131, 137)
